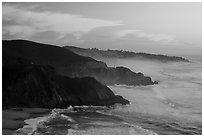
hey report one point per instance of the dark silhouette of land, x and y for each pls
(41, 75)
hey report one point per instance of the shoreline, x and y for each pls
(13, 118)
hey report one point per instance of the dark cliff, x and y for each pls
(28, 85)
(69, 64)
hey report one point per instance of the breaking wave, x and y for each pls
(81, 120)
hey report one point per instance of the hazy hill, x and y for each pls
(96, 53)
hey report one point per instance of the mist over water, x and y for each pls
(177, 98)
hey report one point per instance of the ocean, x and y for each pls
(174, 106)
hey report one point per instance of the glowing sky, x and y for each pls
(167, 28)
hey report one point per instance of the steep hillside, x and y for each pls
(31, 85)
(68, 63)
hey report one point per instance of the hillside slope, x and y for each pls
(28, 85)
(68, 63)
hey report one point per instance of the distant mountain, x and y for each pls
(29, 85)
(96, 53)
(68, 63)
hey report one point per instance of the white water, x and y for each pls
(93, 120)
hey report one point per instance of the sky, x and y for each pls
(171, 28)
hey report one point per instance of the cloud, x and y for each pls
(133, 34)
(123, 33)
(26, 22)
(61, 28)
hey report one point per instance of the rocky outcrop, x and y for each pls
(31, 85)
(111, 76)
(96, 53)
(68, 63)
